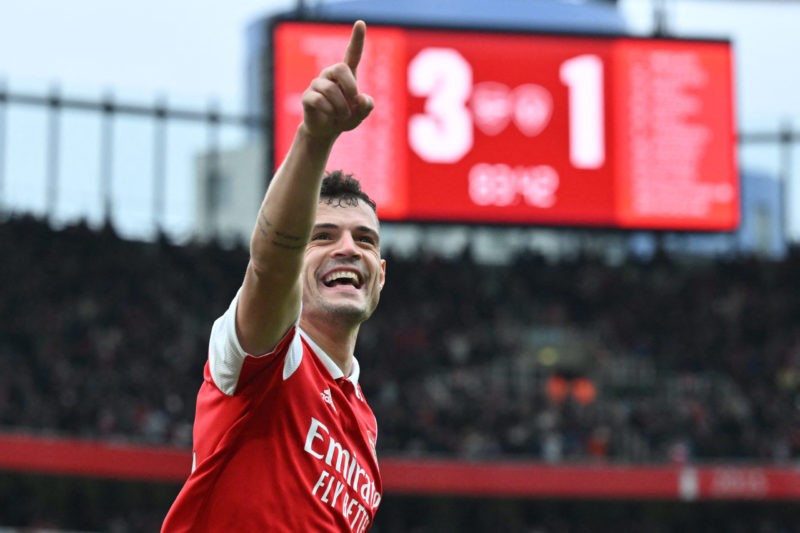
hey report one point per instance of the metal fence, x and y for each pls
(131, 164)
(65, 158)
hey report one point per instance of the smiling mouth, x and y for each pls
(343, 278)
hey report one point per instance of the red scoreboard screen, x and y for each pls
(520, 128)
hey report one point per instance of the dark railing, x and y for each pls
(108, 110)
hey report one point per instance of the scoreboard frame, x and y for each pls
(524, 128)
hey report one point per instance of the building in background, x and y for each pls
(763, 215)
(230, 186)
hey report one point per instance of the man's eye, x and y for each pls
(367, 239)
(320, 237)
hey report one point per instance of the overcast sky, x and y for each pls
(195, 48)
(190, 49)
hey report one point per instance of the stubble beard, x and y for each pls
(346, 314)
(343, 314)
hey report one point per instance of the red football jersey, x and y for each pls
(282, 442)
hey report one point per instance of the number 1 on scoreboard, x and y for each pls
(583, 75)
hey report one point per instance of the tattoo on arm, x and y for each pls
(278, 238)
(263, 225)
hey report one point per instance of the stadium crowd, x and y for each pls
(649, 360)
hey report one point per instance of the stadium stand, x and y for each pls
(652, 361)
(648, 361)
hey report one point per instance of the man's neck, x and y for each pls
(338, 342)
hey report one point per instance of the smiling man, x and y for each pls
(284, 439)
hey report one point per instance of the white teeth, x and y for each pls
(342, 274)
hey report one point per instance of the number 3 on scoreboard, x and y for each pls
(444, 133)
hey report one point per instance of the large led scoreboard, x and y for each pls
(520, 128)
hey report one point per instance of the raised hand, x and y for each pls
(332, 103)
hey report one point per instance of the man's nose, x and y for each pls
(346, 246)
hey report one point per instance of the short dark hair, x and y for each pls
(343, 189)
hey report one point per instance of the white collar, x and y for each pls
(333, 368)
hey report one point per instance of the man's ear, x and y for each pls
(383, 273)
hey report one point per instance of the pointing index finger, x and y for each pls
(352, 55)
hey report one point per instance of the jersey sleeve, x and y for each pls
(226, 356)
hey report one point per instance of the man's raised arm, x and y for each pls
(271, 293)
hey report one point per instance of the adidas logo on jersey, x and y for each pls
(327, 398)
